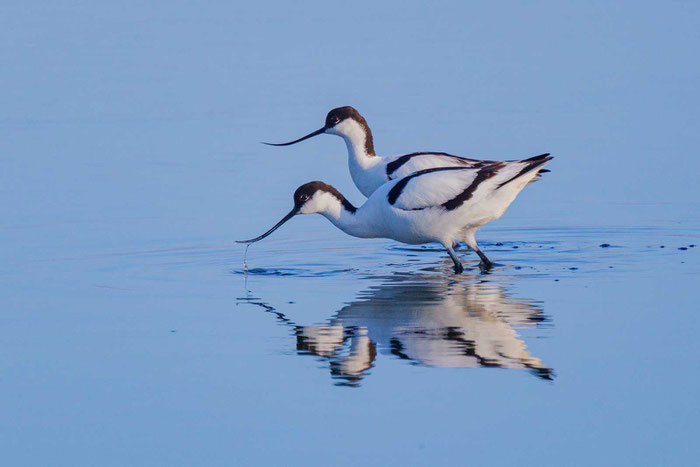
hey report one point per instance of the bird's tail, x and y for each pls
(528, 165)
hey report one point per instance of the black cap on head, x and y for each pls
(333, 118)
(307, 191)
(339, 114)
(301, 196)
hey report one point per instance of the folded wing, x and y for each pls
(434, 187)
(401, 166)
(450, 187)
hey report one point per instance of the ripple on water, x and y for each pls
(557, 252)
(297, 272)
(424, 320)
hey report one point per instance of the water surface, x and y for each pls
(131, 333)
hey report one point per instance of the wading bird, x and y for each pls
(444, 205)
(370, 171)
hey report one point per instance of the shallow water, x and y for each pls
(133, 333)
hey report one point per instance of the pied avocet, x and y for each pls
(445, 205)
(370, 171)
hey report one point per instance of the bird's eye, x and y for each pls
(335, 120)
(304, 198)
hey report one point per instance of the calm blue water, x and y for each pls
(129, 143)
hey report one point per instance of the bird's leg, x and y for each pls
(485, 263)
(458, 266)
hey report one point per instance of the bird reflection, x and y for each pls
(429, 322)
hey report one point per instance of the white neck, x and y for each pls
(357, 151)
(356, 137)
(366, 168)
(352, 223)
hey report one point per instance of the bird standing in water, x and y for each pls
(370, 171)
(444, 204)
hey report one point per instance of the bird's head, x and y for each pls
(311, 198)
(342, 121)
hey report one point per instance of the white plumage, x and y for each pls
(442, 205)
(368, 170)
(432, 189)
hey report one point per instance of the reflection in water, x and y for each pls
(426, 321)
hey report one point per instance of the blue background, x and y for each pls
(129, 143)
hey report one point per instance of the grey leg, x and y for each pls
(469, 239)
(458, 266)
(485, 262)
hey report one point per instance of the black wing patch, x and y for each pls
(483, 174)
(397, 189)
(394, 165)
(531, 164)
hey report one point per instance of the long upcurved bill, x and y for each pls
(291, 214)
(310, 135)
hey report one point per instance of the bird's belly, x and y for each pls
(424, 226)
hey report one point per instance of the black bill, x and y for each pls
(310, 135)
(291, 214)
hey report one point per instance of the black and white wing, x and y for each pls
(401, 166)
(446, 187)
(450, 187)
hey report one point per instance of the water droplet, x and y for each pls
(245, 260)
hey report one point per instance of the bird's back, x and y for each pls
(483, 192)
(402, 165)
